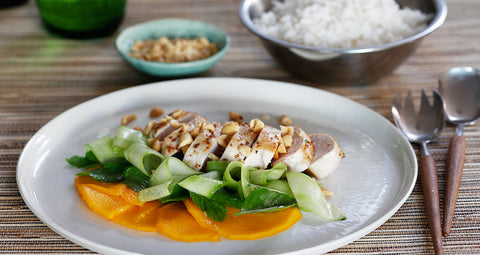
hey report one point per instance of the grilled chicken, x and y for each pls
(255, 146)
(242, 140)
(170, 144)
(205, 143)
(299, 155)
(264, 148)
(327, 155)
(171, 123)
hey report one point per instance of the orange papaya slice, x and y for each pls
(106, 188)
(246, 226)
(141, 218)
(175, 222)
(105, 205)
(131, 196)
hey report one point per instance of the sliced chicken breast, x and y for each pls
(205, 143)
(243, 138)
(167, 126)
(264, 148)
(327, 155)
(299, 155)
(170, 144)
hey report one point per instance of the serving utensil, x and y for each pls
(460, 90)
(423, 128)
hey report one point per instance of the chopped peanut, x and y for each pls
(275, 156)
(223, 140)
(245, 150)
(138, 128)
(148, 128)
(235, 116)
(286, 130)
(327, 193)
(176, 50)
(128, 118)
(177, 113)
(287, 140)
(230, 128)
(175, 124)
(285, 120)
(257, 125)
(184, 149)
(157, 145)
(150, 141)
(198, 128)
(209, 127)
(213, 157)
(165, 119)
(156, 112)
(281, 149)
(195, 131)
(185, 127)
(185, 139)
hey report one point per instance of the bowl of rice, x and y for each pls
(343, 42)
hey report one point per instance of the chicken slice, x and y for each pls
(205, 143)
(264, 148)
(299, 155)
(170, 123)
(327, 155)
(170, 144)
(242, 139)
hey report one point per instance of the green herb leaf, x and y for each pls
(110, 172)
(266, 200)
(224, 196)
(178, 194)
(135, 179)
(215, 210)
(83, 162)
(78, 161)
(91, 157)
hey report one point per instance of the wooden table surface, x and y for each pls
(42, 75)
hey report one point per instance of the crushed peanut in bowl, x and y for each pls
(176, 50)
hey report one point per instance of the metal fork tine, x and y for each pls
(397, 102)
(437, 99)
(409, 107)
(425, 105)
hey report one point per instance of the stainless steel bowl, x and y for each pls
(342, 66)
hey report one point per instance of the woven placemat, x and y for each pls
(42, 75)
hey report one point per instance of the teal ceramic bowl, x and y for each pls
(172, 28)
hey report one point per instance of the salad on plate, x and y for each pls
(195, 180)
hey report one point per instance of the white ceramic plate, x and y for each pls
(373, 180)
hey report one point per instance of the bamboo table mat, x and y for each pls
(42, 75)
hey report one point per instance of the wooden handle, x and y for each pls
(455, 160)
(429, 179)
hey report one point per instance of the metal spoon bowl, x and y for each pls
(423, 127)
(460, 90)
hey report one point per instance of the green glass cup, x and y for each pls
(81, 18)
(9, 3)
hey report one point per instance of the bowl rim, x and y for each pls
(215, 57)
(438, 20)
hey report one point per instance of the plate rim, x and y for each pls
(329, 246)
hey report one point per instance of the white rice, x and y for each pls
(341, 23)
